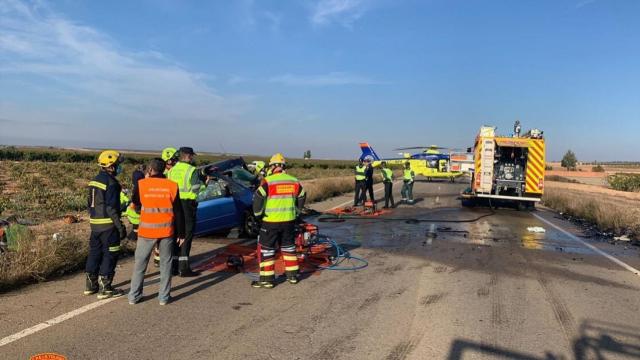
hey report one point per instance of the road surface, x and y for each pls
(487, 289)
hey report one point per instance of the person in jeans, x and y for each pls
(408, 177)
(161, 221)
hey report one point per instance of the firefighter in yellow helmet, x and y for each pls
(170, 157)
(106, 227)
(278, 202)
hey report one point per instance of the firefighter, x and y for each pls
(107, 230)
(161, 222)
(387, 180)
(277, 202)
(170, 157)
(188, 179)
(408, 176)
(360, 178)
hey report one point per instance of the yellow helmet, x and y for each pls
(168, 153)
(277, 159)
(109, 157)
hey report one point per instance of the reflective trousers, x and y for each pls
(272, 236)
(104, 250)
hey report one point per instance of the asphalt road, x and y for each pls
(486, 289)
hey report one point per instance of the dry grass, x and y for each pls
(610, 210)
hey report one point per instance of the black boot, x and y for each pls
(292, 277)
(185, 269)
(106, 290)
(91, 284)
(266, 282)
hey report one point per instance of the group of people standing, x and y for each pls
(163, 210)
(163, 216)
(364, 183)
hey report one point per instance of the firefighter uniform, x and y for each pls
(188, 180)
(360, 177)
(106, 227)
(408, 177)
(387, 180)
(278, 202)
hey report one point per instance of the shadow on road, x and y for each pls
(200, 283)
(597, 340)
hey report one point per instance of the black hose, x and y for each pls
(334, 218)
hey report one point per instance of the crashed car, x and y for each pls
(226, 200)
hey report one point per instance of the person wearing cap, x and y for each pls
(277, 202)
(185, 174)
(107, 230)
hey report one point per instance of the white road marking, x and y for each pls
(34, 329)
(71, 314)
(595, 249)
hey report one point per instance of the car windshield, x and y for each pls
(242, 176)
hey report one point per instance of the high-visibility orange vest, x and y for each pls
(156, 215)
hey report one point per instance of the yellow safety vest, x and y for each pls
(181, 174)
(360, 172)
(282, 192)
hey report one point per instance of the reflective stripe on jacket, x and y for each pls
(156, 215)
(103, 202)
(182, 174)
(360, 172)
(282, 192)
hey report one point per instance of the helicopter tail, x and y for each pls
(367, 151)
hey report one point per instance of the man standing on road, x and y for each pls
(408, 176)
(387, 180)
(278, 201)
(188, 179)
(360, 184)
(170, 156)
(161, 222)
(368, 182)
(106, 227)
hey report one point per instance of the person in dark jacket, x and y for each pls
(368, 182)
(107, 230)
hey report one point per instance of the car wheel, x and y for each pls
(250, 226)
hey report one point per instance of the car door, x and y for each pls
(216, 209)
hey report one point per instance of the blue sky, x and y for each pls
(264, 76)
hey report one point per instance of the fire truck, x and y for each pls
(507, 169)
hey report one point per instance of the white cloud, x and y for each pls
(344, 12)
(330, 79)
(96, 78)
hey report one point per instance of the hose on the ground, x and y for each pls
(329, 217)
